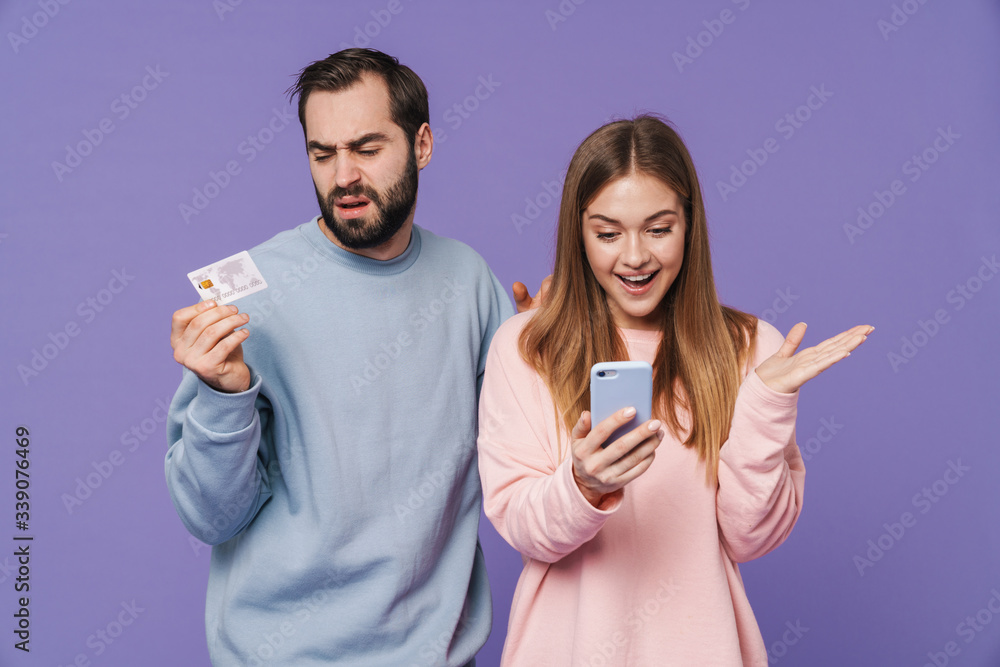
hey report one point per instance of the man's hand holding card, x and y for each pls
(206, 337)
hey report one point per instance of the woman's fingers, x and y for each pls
(599, 471)
(582, 426)
(792, 340)
(600, 433)
(856, 334)
(639, 456)
(787, 374)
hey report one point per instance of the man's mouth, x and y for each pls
(352, 207)
(636, 283)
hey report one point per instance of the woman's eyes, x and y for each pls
(657, 232)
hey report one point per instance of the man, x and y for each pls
(327, 448)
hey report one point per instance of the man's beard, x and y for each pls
(391, 212)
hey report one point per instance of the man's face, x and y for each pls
(363, 167)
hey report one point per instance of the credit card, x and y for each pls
(228, 279)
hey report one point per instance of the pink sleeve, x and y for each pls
(761, 472)
(529, 493)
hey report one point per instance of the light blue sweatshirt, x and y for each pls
(341, 491)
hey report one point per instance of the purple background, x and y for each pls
(779, 243)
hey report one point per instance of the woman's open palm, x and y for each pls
(786, 370)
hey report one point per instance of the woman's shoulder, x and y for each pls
(505, 348)
(509, 332)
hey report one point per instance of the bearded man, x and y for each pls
(323, 438)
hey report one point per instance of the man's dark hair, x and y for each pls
(341, 70)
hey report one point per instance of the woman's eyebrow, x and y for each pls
(658, 214)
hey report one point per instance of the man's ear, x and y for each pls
(423, 145)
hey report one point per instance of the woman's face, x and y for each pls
(633, 234)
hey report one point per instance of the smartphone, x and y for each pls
(620, 384)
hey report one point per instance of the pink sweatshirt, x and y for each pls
(651, 577)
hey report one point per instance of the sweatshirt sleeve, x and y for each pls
(761, 472)
(529, 493)
(216, 478)
(494, 309)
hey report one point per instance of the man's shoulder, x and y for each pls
(448, 249)
(280, 242)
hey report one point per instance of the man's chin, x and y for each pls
(346, 232)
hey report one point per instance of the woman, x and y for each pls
(631, 559)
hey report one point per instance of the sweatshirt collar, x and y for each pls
(360, 263)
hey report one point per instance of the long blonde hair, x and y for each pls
(704, 344)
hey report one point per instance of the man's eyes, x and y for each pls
(368, 152)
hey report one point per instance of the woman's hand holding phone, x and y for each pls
(599, 470)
